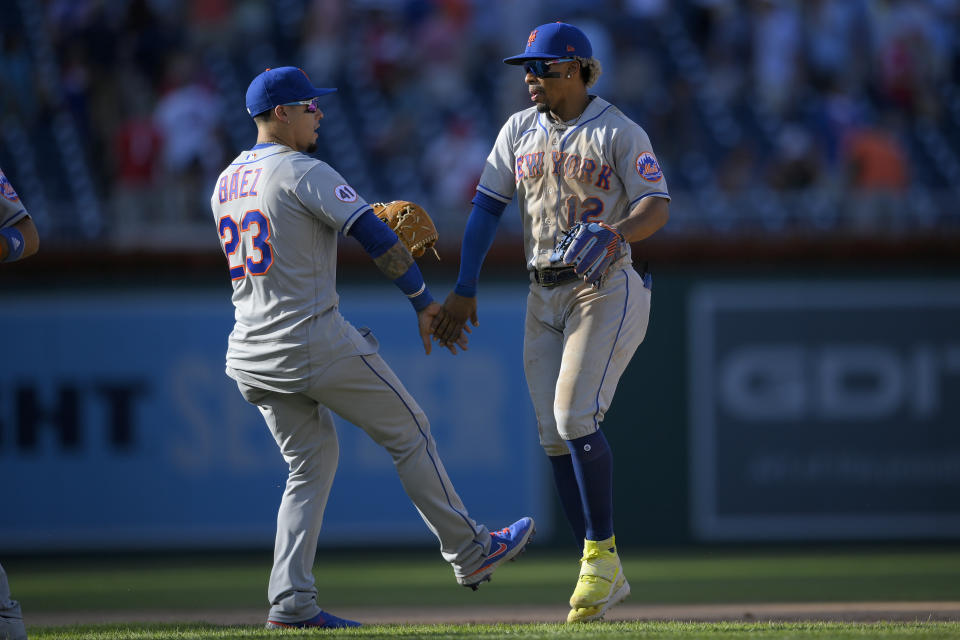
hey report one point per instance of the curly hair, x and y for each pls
(590, 70)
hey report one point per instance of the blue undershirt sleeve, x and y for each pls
(477, 239)
(376, 238)
(373, 234)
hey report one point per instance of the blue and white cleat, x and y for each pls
(505, 544)
(322, 620)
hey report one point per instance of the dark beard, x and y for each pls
(311, 147)
(543, 108)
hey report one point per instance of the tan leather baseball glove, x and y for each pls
(411, 223)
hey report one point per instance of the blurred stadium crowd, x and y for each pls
(770, 117)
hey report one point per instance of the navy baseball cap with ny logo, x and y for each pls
(281, 85)
(554, 40)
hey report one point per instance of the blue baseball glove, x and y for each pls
(590, 249)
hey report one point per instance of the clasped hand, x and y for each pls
(447, 324)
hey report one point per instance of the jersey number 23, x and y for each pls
(255, 226)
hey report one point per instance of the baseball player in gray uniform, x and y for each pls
(576, 162)
(18, 240)
(279, 212)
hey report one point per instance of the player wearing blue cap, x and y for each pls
(294, 357)
(576, 162)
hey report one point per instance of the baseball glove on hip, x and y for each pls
(411, 223)
(590, 248)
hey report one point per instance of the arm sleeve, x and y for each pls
(372, 233)
(376, 238)
(477, 239)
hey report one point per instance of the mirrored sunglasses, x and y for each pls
(541, 68)
(312, 105)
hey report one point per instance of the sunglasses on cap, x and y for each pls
(312, 105)
(540, 68)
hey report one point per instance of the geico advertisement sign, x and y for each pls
(824, 411)
(835, 382)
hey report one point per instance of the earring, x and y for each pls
(568, 75)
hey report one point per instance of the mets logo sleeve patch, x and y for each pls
(6, 189)
(648, 167)
(11, 209)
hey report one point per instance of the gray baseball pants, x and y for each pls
(11, 619)
(577, 343)
(364, 391)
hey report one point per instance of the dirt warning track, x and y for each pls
(771, 612)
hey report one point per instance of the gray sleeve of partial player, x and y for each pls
(330, 198)
(498, 179)
(637, 165)
(10, 216)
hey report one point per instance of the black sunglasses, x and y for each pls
(541, 68)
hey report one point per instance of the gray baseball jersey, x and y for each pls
(577, 340)
(594, 169)
(269, 194)
(278, 212)
(12, 210)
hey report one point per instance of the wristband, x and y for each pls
(422, 300)
(413, 286)
(15, 243)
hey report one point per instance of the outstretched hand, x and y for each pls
(451, 322)
(426, 320)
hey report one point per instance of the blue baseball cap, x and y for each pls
(280, 86)
(554, 40)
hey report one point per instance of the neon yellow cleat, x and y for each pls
(601, 583)
(586, 614)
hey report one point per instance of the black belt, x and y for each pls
(554, 277)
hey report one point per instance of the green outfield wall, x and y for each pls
(768, 403)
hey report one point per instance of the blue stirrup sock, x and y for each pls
(592, 462)
(569, 493)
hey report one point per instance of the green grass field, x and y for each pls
(611, 631)
(540, 577)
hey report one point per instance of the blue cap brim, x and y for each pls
(523, 57)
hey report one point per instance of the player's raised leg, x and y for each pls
(307, 439)
(367, 393)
